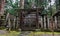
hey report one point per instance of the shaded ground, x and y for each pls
(11, 33)
(2, 32)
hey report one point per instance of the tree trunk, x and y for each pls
(22, 4)
(33, 4)
(2, 7)
(7, 16)
(21, 13)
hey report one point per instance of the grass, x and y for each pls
(46, 32)
(11, 33)
(38, 33)
(15, 33)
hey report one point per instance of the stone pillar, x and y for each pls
(9, 24)
(14, 23)
(44, 22)
(55, 21)
(41, 22)
(17, 21)
(48, 22)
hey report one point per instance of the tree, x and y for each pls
(2, 3)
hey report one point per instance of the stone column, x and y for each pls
(41, 22)
(17, 21)
(14, 23)
(55, 21)
(48, 22)
(9, 24)
(44, 22)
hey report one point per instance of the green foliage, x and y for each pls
(11, 6)
(12, 11)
